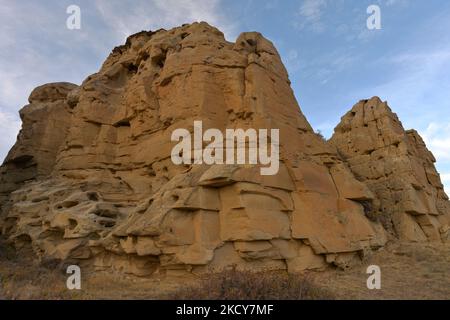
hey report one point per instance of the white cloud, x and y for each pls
(389, 3)
(311, 12)
(292, 61)
(324, 67)
(37, 48)
(437, 138)
(418, 88)
(155, 14)
(445, 177)
(9, 127)
(312, 9)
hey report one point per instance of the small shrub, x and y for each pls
(50, 263)
(321, 136)
(7, 251)
(239, 285)
(369, 211)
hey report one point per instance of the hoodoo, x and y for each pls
(396, 165)
(91, 176)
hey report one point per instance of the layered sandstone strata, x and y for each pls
(45, 123)
(110, 195)
(396, 165)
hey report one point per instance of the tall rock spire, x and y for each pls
(396, 165)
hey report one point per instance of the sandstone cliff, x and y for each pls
(396, 165)
(46, 121)
(90, 177)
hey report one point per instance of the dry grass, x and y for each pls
(239, 285)
(7, 252)
(23, 278)
(408, 271)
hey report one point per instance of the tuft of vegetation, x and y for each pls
(321, 136)
(50, 264)
(7, 251)
(240, 285)
(369, 211)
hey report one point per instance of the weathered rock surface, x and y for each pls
(46, 121)
(103, 188)
(396, 165)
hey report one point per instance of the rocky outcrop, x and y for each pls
(46, 121)
(111, 195)
(396, 165)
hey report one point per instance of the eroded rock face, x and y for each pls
(114, 197)
(46, 121)
(396, 165)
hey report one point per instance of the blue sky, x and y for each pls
(332, 58)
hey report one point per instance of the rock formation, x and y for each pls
(46, 121)
(100, 187)
(398, 168)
